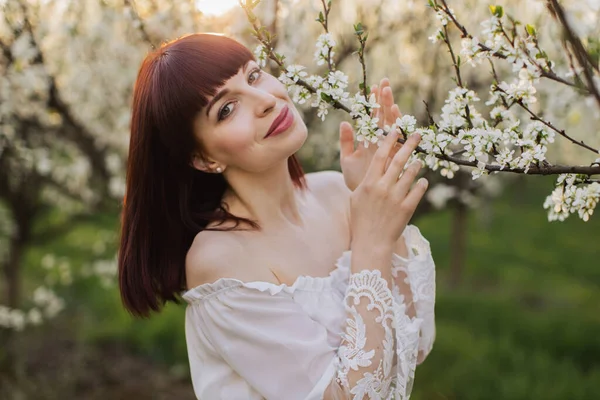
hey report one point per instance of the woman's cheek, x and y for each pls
(237, 137)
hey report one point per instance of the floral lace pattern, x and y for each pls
(392, 375)
(419, 273)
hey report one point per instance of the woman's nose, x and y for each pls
(265, 103)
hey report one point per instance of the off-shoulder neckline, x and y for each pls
(302, 282)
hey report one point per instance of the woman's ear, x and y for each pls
(198, 162)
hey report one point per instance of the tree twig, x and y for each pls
(581, 54)
(141, 25)
(325, 22)
(544, 73)
(278, 59)
(561, 132)
(358, 30)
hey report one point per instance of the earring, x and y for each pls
(219, 170)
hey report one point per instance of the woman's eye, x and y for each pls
(228, 108)
(225, 111)
(254, 75)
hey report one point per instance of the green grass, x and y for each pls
(524, 323)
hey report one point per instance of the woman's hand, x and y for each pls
(355, 162)
(383, 203)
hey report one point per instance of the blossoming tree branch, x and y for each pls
(462, 135)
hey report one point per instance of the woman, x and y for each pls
(297, 287)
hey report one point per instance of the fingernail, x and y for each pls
(423, 182)
(418, 136)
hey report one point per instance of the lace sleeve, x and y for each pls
(415, 276)
(379, 347)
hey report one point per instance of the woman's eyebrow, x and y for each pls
(222, 93)
(215, 99)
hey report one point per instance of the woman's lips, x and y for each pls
(284, 120)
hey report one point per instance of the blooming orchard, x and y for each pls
(66, 73)
(66, 80)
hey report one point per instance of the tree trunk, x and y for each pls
(9, 363)
(458, 243)
(10, 366)
(12, 274)
(458, 237)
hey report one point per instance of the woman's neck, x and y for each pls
(270, 198)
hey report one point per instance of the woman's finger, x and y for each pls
(407, 178)
(346, 139)
(397, 146)
(387, 103)
(412, 199)
(396, 166)
(377, 167)
(396, 112)
(385, 83)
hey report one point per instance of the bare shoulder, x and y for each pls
(329, 185)
(332, 193)
(211, 256)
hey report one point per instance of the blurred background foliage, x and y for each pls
(518, 303)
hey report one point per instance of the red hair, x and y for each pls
(168, 202)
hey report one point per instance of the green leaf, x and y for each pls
(594, 48)
(530, 29)
(498, 11)
(326, 97)
(358, 29)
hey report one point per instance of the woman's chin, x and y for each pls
(300, 135)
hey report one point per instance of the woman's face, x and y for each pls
(233, 127)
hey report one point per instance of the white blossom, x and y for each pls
(436, 37)
(443, 17)
(448, 169)
(359, 104)
(471, 51)
(568, 198)
(504, 157)
(367, 130)
(261, 54)
(519, 90)
(295, 72)
(407, 123)
(440, 194)
(480, 170)
(324, 49)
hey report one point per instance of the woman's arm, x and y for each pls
(380, 341)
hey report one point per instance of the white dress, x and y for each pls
(259, 340)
